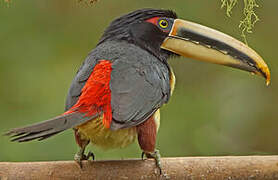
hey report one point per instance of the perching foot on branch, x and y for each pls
(155, 155)
(79, 156)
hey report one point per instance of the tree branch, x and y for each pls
(229, 167)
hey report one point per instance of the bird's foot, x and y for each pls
(79, 156)
(155, 155)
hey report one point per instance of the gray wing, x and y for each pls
(137, 91)
(79, 81)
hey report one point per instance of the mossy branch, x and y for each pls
(250, 17)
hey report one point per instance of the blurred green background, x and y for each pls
(215, 110)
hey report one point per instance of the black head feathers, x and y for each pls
(134, 29)
(119, 27)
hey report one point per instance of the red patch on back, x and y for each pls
(153, 20)
(96, 93)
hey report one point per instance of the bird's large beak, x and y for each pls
(199, 42)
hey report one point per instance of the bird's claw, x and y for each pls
(142, 155)
(90, 154)
(78, 157)
(155, 155)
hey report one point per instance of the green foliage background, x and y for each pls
(215, 110)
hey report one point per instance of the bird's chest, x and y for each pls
(100, 136)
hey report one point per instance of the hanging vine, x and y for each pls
(247, 24)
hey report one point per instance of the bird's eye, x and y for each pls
(163, 23)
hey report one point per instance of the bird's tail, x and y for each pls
(46, 129)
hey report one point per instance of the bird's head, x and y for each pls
(162, 34)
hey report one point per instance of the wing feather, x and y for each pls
(46, 129)
(138, 90)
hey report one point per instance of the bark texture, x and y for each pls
(209, 168)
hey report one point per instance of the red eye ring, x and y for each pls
(160, 23)
(153, 20)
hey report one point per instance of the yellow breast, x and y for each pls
(105, 138)
(100, 136)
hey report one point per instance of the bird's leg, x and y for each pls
(146, 139)
(82, 142)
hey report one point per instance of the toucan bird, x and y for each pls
(116, 94)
